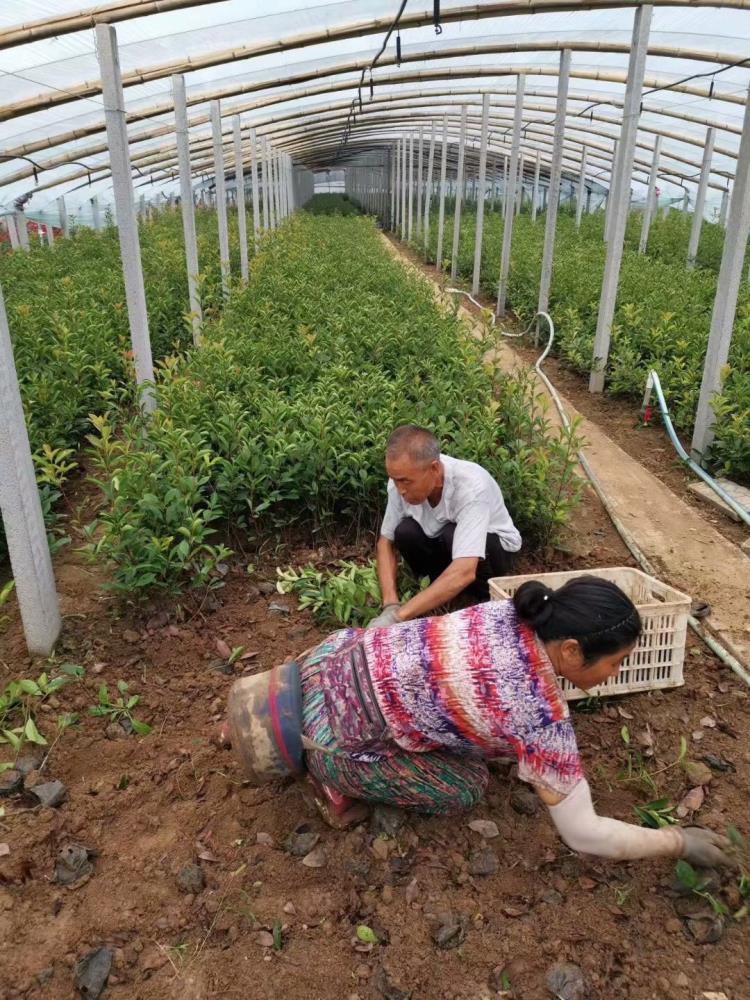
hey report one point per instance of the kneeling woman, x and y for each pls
(408, 715)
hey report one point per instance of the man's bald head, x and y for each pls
(416, 444)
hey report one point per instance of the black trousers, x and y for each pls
(427, 556)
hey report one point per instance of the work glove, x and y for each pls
(388, 616)
(705, 848)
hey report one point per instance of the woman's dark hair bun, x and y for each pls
(534, 603)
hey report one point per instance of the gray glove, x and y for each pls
(705, 848)
(388, 616)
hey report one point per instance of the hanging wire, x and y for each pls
(358, 99)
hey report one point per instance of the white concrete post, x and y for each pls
(504, 200)
(410, 227)
(50, 235)
(441, 210)
(581, 200)
(515, 148)
(535, 192)
(621, 205)
(186, 203)
(403, 189)
(96, 214)
(254, 178)
(700, 198)
(519, 192)
(271, 183)
(392, 216)
(727, 290)
(459, 191)
(22, 512)
(428, 189)
(263, 154)
(614, 176)
(397, 214)
(239, 180)
(221, 195)
(418, 197)
(650, 208)
(15, 243)
(477, 273)
(553, 191)
(64, 224)
(127, 221)
(724, 207)
(22, 230)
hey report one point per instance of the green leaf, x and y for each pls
(140, 728)
(32, 734)
(73, 670)
(103, 695)
(277, 938)
(625, 734)
(367, 935)
(122, 686)
(686, 874)
(29, 687)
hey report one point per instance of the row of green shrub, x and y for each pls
(662, 318)
(283, 413)
(69, 328)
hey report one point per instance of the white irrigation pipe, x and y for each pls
(724, 655)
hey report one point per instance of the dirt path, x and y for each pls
(675, 536)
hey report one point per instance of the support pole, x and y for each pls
(239, 183)
(581, 199)
(727, 290)
(502, 288)
(186, 203)
(650, 209)
(397, 188)
(64, 224)
(410, 227)
(50, 235)
(428, 189)
(271, 200)
(221, 195)
(621, 205)
(393, 164)
(418, 192)
(22, 511)
(403, 189)
(441, 210)
(22, 230)
(459, 192)
(700, 198)
(127, 221)
(254, 178)
(519, 189)
(96, 214)
(476, 277)
(535, 192)
(15, 243)
(612, 193)
(263, 151)
(724, 208)
(553, 193)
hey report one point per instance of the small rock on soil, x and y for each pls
(301, 841)
(73, 864)
(50, 793)
(524, 801)
(450, 931)
(485, 828)
(92, 972)
(387, 821)
(11, 782)
(191, 879)
(565, 981)
(483, 862)
(386, 988)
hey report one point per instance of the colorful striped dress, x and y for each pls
(409, 714)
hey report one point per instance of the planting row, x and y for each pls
(283, 413)
(69, 327)
(662, 319)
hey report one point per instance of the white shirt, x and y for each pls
(471, 500)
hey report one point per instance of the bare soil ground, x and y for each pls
(147, 807)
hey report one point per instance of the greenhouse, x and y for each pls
(375, 495)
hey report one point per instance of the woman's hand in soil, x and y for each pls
(388, 616)
(705, 848)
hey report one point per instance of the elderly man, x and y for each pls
(447, 519)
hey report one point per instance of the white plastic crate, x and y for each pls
(657, 660)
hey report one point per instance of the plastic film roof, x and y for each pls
(291, 71)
